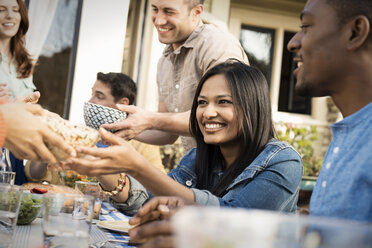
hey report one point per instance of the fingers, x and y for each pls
(44, 154)
(34, 109)
(95, 152)
(54, 139)
(126, 134)
(115, 126)
(151, 205)
(155, 202)
(90, 167)
(156, 208)
(31, 98)
(163, 241)
(28, 154)
(110, 137)
(5, 91)
(150, 230)
(153, 215)
(130, 109)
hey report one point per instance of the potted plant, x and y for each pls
(302, 138)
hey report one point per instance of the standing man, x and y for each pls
(334, 57)
(192, 48)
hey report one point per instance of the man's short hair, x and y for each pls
(120, 84)
(348, 9)
(193, 3)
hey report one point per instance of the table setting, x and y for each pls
(32, 235)
(43, 216)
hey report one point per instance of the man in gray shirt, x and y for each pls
(192, 48)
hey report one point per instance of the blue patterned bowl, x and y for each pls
(95, 115)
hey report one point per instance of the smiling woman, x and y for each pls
(237, 162)
(16, 65)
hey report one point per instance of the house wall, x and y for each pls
(216, 11)
(100, 48)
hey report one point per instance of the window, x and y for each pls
(54, 71)
(258, 43)
(289, 101)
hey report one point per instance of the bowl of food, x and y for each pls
(69, 177)
(30, 208)
(95, 115)
(74, 134)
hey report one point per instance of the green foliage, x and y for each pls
(171, 155)
(302, 139)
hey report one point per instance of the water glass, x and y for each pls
(67, 225)
(7, 177)
(93, 189)
(10, 200)
(222, 227)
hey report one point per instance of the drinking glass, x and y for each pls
(7, 177)
(221, 227)
(67, 225)
(93, 189)
(10, 200)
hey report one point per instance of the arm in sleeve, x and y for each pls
(137, 197)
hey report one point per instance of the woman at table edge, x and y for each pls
(237, 161)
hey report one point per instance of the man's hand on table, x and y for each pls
(154, 228)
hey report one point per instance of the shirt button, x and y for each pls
(336, 149)
(177, 86)
(324, 184)
(188, 183)
(328, 165)
(176, 110)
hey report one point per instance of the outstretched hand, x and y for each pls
(118, 157)
(27, 137)
(31, 98)
(136, 122)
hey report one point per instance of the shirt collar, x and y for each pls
(4, 58)
(189, 43)
(355, 118)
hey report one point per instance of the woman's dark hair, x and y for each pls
(22, 58)
(250, 96)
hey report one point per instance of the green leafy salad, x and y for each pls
(29, 210)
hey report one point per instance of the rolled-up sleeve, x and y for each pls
(205, 198)
(137, 197)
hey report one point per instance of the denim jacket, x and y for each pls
(271, 181)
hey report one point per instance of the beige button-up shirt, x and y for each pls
(180, 71)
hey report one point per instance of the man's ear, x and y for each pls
(198, 10)
(360, 29)
(124, 101)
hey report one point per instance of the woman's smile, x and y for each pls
(216, 112)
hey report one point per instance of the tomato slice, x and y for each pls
(38, 191)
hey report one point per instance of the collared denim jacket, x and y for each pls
(271, 182)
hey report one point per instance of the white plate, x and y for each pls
(115, 225)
